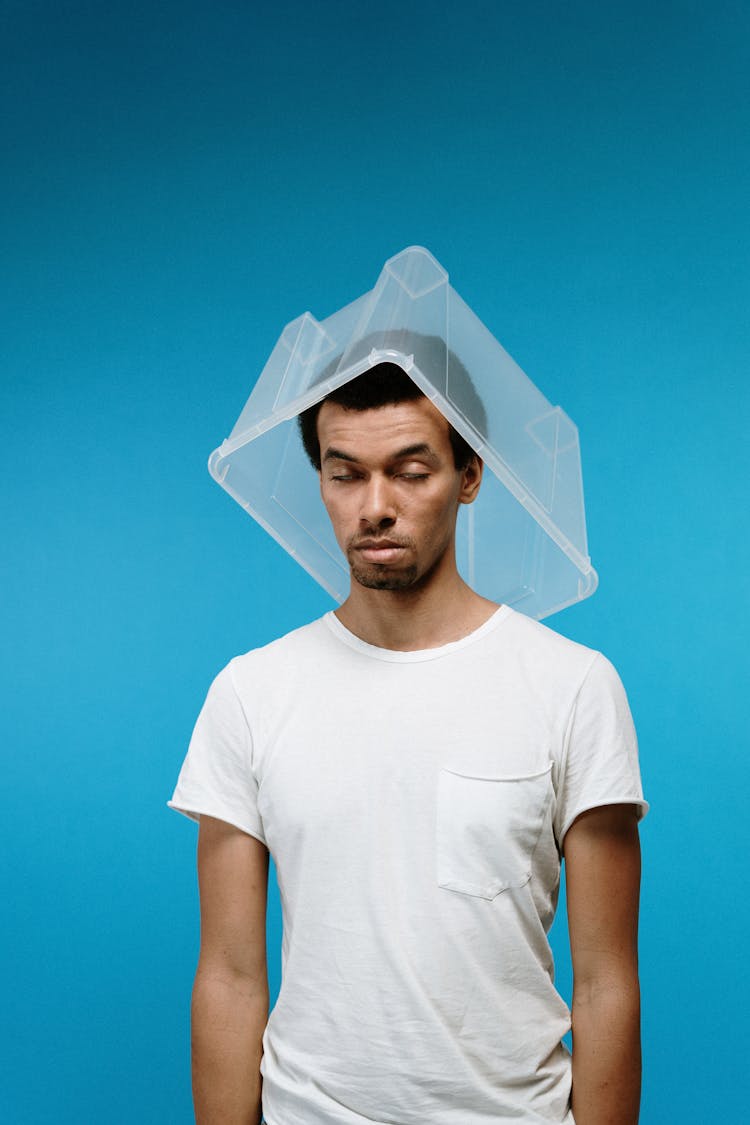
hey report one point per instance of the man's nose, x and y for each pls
(378, 503)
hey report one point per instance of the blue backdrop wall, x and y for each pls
(180, 181)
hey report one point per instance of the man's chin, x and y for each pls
(379, 578)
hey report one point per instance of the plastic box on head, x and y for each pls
(523, 541)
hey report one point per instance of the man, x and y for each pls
(417, 763)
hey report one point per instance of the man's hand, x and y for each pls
(230, 994)
(602, 860)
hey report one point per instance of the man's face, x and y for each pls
(392, 491)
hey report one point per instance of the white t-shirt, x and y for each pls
(414, 804)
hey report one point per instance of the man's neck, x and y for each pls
(413, 619)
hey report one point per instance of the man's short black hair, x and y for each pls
(384, 384)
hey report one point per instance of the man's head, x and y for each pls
(393, 474)
(385, 384)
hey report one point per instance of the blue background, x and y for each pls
(180, 181)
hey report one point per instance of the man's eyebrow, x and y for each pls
(418, 449)
(332, 454)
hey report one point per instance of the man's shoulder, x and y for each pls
(297, 645)
(538, 644)
(538, 634)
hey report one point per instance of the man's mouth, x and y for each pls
(379, 550)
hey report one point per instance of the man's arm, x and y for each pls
(230, 994)
(603, 865)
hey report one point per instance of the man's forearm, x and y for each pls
(229, 1016)
(606, 1055)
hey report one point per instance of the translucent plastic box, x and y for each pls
(523, 541)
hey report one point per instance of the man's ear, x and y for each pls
(471, 478)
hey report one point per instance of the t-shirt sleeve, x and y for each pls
(217, 777)
(600, 758)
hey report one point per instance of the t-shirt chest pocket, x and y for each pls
(488, 829)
